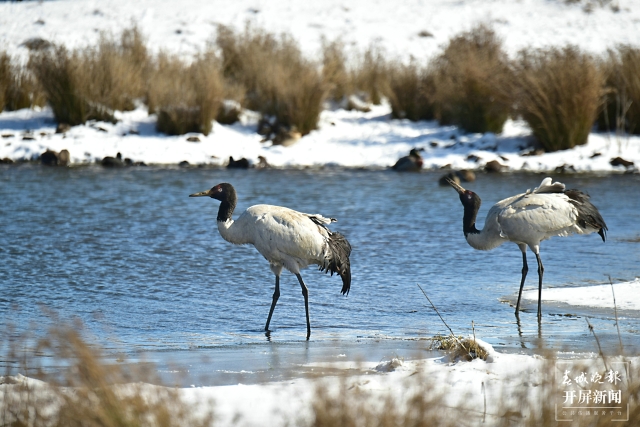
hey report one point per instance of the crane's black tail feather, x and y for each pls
(588, 214)
(340, 250)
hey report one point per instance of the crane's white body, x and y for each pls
(528, 219)
(286, 238)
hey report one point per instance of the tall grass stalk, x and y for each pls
(87, 392)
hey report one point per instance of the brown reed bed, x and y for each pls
(621, 109)
(93, 82)
(278, 80)
(186, 97)
(471, 79)
(558, 93)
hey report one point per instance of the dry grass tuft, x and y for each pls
(18, 87)
(186, 98)
(91, 83)
(468, 349)
(411, 90)
(558, 93)
(472, 78)
(335, 73)
(88, 392)
(66, 84)
(621, 112)
(278, 80)
(349, 405)
(370, 75)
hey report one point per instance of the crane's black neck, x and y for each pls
(228, 202)
(225, 211)
(471, 203)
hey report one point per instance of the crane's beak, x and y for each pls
(456, 186)
(201, 194)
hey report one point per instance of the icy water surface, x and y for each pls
(144, 268)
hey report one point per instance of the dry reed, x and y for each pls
(186, 98)
(621, 111)
(558, 94)
(411, 90)
(472, 78)
(278, 80)
(370, 74)
(18, 87)
(91, 83)
(88, 392)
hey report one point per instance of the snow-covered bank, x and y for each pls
(407, 29)
(601, 296)
(438, 391)
(344, 138)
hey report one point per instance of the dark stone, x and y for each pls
(184, 164)
(494, 166)
(49, 158)
(411, 163)
(466, 175)
(262, 163)
(63, 128)
(619, 161)
(193, 139)
(238, 164)
(6, 161)
(37, 43)
(472, 158)
(565, 169)
(112, 162)
(534, 152)
(64, 158)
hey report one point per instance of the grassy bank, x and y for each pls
(559, 92)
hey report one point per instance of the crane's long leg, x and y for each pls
(540, 273)
(276, 295)
(525, 269)
(305, 293)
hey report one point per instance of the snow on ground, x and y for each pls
(505, 386)
(601, 296)
(186, 26)
(345, 138)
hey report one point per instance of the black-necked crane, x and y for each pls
(286, 238)
(529, 218)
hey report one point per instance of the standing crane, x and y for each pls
(286, 238)
(529, 218)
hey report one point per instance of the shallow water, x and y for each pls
(144, 268)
